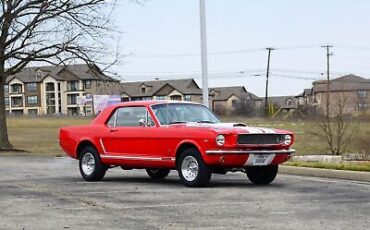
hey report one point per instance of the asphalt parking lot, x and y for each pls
(48, 193)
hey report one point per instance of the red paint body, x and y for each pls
(158, 146)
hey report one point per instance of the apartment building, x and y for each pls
(180, 90)
(49, 90)
(350, 92)
(223, 100)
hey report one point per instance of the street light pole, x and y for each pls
(203, 39)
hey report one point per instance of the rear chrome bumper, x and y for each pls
(225, 152)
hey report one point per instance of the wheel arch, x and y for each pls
(83, 144)
(186, 145)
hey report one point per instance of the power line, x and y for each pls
(194, 54)
(221, 52)
(295, 77)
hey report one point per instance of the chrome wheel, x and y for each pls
(88, 163)
(190, 168)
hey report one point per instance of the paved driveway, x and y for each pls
(45, 193)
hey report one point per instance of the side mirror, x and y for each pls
(142, 123)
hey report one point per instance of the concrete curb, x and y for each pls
(326, 173)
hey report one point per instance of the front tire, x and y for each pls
(158, 174)
(91, 167)
(192, 170)
(262, 175)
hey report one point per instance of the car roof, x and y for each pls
(105, 114)
(152, 102)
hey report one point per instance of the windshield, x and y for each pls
(175, 113)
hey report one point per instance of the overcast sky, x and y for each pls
(161, 38)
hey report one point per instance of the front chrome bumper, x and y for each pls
(225, 152)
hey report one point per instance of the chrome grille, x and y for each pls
(260, 139)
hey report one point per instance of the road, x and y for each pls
(48, 193)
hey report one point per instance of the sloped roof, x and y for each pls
(281, 101)
(306, 92)
(184, 86)
(349, 82)
(79, 72)
(255, 97)
(224, 93)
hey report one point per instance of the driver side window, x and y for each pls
(130, 117)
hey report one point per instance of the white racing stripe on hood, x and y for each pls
(266, 130)
(253, 130)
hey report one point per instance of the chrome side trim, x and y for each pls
(138, 158)
(213, 152)
(102, 146)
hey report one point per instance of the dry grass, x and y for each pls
(363, 166)
(40, 135)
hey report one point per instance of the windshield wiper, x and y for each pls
(177, 122)
(209, 122)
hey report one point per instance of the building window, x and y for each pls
(136, 98)
(16, 88)
(187, 97)
(72, 99)
(362, 94)
(32, 112)
(161, 97)
(50, 87)
(234, 103)
(50, 110)
(17, 102)
(38, 75)
(147, 98)
(31, 87)
(50, 99)
(176, 98)
(73, 86)
(6, 88)
(7, 101)
(88, 84)
(73, 111)
(32, 100)
(362, 106)
(289, 102)
(143, 90)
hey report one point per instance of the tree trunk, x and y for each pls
(4, 139)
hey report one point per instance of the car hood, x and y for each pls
(236, 128)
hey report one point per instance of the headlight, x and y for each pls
(220, 140)
(287, 139)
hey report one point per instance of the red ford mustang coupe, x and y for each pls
(160, 136)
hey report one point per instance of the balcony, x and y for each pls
(74, 86)
(16, 102)
(16, 89)
(72, 99)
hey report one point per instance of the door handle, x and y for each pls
(113, 130)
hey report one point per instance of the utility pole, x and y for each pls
(267, 78)
(328, 54)
(203, 39)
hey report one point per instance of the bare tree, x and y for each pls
(334, 128)
(50, 31)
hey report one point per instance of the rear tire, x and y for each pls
(192, 170)
(158, 174)
(91, 167)
(262, 175)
